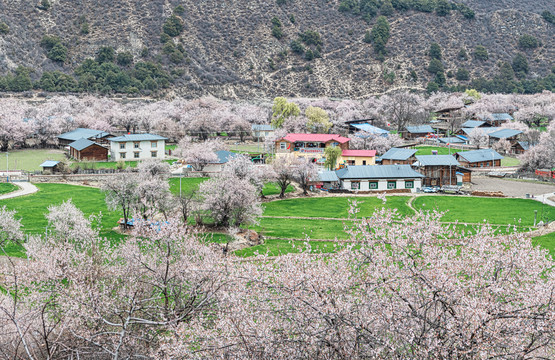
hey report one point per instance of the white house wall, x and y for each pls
(144, 150)
(382, 185)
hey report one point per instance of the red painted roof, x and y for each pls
(315, 138)
(366, 153)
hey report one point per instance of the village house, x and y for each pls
(521, 146)
(98, 136)
(310, 146)
(137, 147)
(438, 169)
(415, 132)
(452, 140)
(496, 119)
(510, 135)
(398, 156)
(87, 150)
(368, 128)
(327, 180)
(379, 178)
(262, 131)
(224, 157)
(479, 158)
(357, 157)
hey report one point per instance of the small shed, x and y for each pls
(84, 149)
(396, 156)
(479, 158)
(328, 180)
(50, 165)
(413, 132)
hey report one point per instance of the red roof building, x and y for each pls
(363, 153)
(320, 138)
(310, 146)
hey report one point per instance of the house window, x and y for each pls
(136, 145)
(153, 153)
(136, 155)
(153, 144)
(409, 184)
(363, 162)
(282, 146)
(392, 185)
(355, 185)
(373, 185)
(334, 144)
(122, 145)
(350, 162)
(122, 155)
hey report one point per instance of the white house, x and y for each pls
(383, 177)
(262, 131)
(137, 147)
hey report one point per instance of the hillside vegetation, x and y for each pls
(262, 49)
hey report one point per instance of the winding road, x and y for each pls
(25, 188)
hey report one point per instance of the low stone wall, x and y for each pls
(389, 191)
(69, 178)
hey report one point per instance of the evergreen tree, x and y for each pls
(520, 64)
(435, 51)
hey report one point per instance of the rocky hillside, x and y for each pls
(226, 47)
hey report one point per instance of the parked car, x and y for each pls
(430, 189)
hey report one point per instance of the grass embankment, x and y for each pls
(7, 188)
(189, 184)
(427, 150)
(30, 159)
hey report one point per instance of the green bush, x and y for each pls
(173, 26)
(480, 53)
(548, 16)
(462, 74)
(124, 58)
(528, 42)
(387, 9)
(48, 41)
(520, 64)
(277, 32)
(367, 37)
(311, 37)
(85, 29)
(105, 54)
(44, 5)
(57, 53)
(467, 12)
(144, 52)
(380, 36)
(435, 51)
(4, 28)
(281, 2)
(432, 87)
(413, 75)
(435, 66)
(179, 10)
(462, 55)
(296, 47)
(292, 18)
(443, 8)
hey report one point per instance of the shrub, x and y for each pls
(520, 64)
(462, 74)
(57, 53)
(367, 37)
(281, 2)
(380, 36)
(277, 32)
(292, 18)
(44, 5)
(164, 38)
(432, 87)
(105, 54)
(548, 16)
(467, 12)
(4, 28)
(386, 9)
(276, 22)
(462, 55)
(173, 26)
(435, 66)
(124, 58)
(435, 51)
(144, 52)
(48, 41)
(443, 8)
(528, 42)
(296, 47)
(179, 10)
(413, 75)
(311, 37)
(480, 53)
(85, 29)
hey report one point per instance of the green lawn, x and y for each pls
(334, 207)
(509, 161)
(30, 159)
(7, 188)
(188, 184)
(301, 228)
(32, 208)
(255, 148)
(427, 150)
(107, 164)
(276, 247)
(547, 241)
(494, 210)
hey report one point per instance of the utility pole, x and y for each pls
(7, 165)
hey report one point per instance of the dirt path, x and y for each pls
(25, 188)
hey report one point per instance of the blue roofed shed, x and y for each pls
(371, 129)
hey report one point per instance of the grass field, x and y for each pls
(494, 210)
(7, 188)
(30, 159)
(427, 150)
(32, 208)
(188, 184)
(107, 164)
(547, 241)
(509, 161)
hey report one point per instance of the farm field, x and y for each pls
(7, 188)
(188, 184)
(288, 223)
(30, 159)
(427, 150)
(510, 161)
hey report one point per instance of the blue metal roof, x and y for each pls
(138, 137)
(328, 176)
(420, 129)
(504, 133)
(451, 140)
(480, 155)
(82, 144)
(262, 127)
(398, 154)
(224, 156)
(485, 130)
(524, 144)
(437, 160)
(472, 123)
(370, 129)
(378, 172)
(497, 117)
(49, 163)
(83, 133)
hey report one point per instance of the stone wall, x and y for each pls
(69, 178)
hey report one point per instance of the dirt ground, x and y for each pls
(511, 188)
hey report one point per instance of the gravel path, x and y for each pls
(511, 188)
(26, 188)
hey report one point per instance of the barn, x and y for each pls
(87, 150)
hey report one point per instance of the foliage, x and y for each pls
(435, 66)
(105, 54)
(173, 26)
(296, 47)
(380, 35)
(332, 153)
(44, 5)
(548, 16)
(480, 53)
(387, 8)
(58, 53)
(462, 55)
(520, 64)
(318, 120)
(443, 7)
(4, 28)
(179, 10)
(282, 109)
(124, 58)
(435, 51)
(462, 74)
(527, 41)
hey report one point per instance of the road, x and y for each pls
(25, 188)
